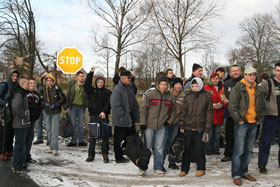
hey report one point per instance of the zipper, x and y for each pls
(161, 96)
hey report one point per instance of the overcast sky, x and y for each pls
(69, 23)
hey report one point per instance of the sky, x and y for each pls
(70, 23)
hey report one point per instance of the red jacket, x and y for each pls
(218, 114)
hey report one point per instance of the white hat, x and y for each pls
(250, 70)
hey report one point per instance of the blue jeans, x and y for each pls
(244, 138)
(157, 136)
(213, 145)
(171, 133)
(19, 148)
(29, 140)
(52, 122)
(40, 123)
(77, 118)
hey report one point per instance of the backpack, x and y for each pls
(6, 114)
(66, 127)
(137, 151)
(269, 85)
(177, 148)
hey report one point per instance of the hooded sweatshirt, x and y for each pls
(4, 90)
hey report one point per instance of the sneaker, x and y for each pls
(124, 160)
(4, 157)
(90, 158)
(216, 153)
(82, 144)
(54, 152)
(200, 173)
(38, 142)
(141, 173)
(163, 169)
(159, 172)
(208, 153)
(173, 166)
(25, 165)
(31, 161)
(105, 158)
(183, 173)
(48, 151)
(263, 170)
(71, 144)
(226, 159)
(19, 171)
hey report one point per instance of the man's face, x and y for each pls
(49, 82)
(170, 74)
(80, 77)
(235, 71)
(198, 72)
(126, 80)
(14, 77)
(220, 74)
(215, 80)
(163, 86)
(100, 84)
(250, 78)
(178, 87)
(25, 85)
(195, 87)
(277, 72)
(32, 85)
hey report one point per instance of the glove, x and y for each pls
(143, 127)
(205, 137)
(166, 124)
(53, 106)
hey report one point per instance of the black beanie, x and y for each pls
(177, 80)
(163, 78)
(195, 67)
(125, 73)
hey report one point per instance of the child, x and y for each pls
(195, 122)
(21, 123)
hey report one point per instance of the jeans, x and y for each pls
(29, 140)
(213, 145)
(19, 148)
(77, 118)
(52, 122)
(158, 137)
(40, 127)
(244, 136)
(271, 126)
(171, 133)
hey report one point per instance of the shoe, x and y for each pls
(183, 173)
(4, 157)
(90, 158)
(9, 154)
(216, 153)
(82, 144)
(199, 173)
(31, 161)
(173, 166)
(48, 151)
(226, 159)
(105, 158)
(237, 181)
(249, 177)
(38, 142)
(18, 171)
(141, 173)
(25, 165)
(159, 172)
(124, 160)
(208, 153)
(263, 170)
(71, 144)
(48, 143)
(163, 169)
(54, 152)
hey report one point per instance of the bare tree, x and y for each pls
(185, 25)
(123, 17)
(242, 56)
(209, 63)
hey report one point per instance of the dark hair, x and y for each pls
(220, 69)
(23, 77)
(159, 75)
(79, 72)
(168, 70)
(194, 82)
(32, 78)
(264, 76)
(277, 64)
(121, 69)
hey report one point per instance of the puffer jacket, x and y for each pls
(197, 110)
(70, 95)
(157, 108)
(35, 105)
(179, 102)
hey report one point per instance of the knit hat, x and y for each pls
(195, 67)
(177, 80)
(99, 78)
(163, 78)
(126, 73)
(213, 75)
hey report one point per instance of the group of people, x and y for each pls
(196, 108)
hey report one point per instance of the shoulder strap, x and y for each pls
(269, 84)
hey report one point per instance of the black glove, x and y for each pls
(166, 123)
(143, 127)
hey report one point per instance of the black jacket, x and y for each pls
(98, 99)
(35, 105)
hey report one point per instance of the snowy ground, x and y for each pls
(69, 169)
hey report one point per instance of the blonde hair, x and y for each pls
(22, 80)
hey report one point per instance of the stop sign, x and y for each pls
(69, 60)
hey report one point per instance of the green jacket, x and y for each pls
(271, 108)
(70, 95)
(239, 102)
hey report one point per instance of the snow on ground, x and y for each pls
(69, 169)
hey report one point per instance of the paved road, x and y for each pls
(9, 179)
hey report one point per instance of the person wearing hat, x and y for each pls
(197, 71)
(125, 113)
(98, 107)
(172, 130)
(246, 107)
(157, 112)
(53, 99)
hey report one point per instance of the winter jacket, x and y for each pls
(98, 98)
(239, 102)
(218, 114)
(20, 108)
(35, 105)
(187, 86)
(117, 78)
(4, 90)
(121, 115)
(70, 95)
(157, 109)
(179, 102)
(197, 111)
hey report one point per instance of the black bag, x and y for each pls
(6, 114)
(137, 151)
(177, 148)
(100, 129)
(66, 127)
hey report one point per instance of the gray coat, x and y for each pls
(120, 107)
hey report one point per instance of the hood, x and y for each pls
(98, 78)
(199, 82)
(9, 78)
(163, 79)
(244, 82)
(44, 76)
(50, 75)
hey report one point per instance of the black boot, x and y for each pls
(105, 158)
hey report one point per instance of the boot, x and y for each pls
(200, 173)
(105, 158)
(90, 158)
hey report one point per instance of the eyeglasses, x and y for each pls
(128, 77)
